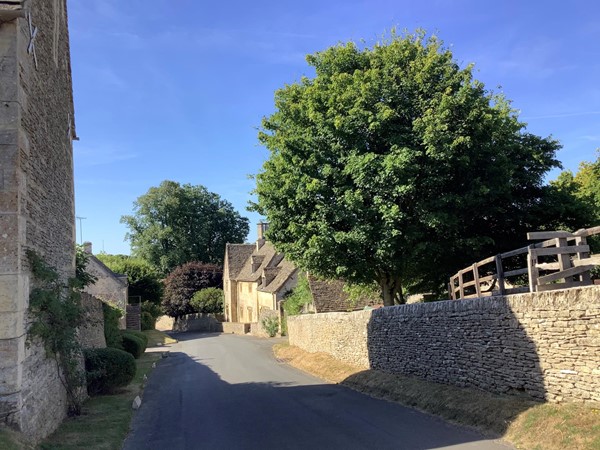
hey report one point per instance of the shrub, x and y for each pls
(299, 297)
(148, 321)
(209, 301)
(153, 309)
(112, 334)
(139, 335)
(133, 345)
(184, 282)
(107, 369)
(270, 324)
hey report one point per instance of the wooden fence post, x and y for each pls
(532, 268)
(476, 279)
(564, 260)
(460, 284)
(500, 275)
(585, 276)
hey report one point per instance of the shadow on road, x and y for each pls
(187, 405)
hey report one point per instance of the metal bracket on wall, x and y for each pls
(32, 34)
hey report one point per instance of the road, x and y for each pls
(221, 391)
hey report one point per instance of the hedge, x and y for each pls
(107, 369)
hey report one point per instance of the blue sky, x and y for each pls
(175, 89)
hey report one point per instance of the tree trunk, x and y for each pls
(391, 288)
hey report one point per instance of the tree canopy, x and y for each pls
(395, 165)
(173, 224)
(585, 187)
(184, 281)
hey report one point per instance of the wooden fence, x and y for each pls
(562, 260)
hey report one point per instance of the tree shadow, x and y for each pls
(187, 405)
(478, 344)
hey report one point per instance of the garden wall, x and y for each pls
(546, 345)
(197, 322)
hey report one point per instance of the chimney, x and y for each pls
(262, 228)
(87, 247)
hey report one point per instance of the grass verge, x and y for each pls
(156, 337)
(105, 420)
(525, 423)
(10, 440)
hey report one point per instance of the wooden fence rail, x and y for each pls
(550, 264)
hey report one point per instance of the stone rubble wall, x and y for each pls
(91, 335)
(36, 204)
(197, 322)
(546, 345)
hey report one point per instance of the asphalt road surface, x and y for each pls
(221, 391)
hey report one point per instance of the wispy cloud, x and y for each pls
(562, 115)
(99, 156)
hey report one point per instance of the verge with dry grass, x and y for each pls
(525, 423)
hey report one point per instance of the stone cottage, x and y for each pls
(109, 287)
(255, 279)
(36, 199)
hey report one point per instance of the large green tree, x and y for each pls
(173, 224)
(584, 186)
(395, 165)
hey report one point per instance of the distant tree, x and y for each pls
(184, 282)
(144, 280)
(173, 224)
(585, 187)
(393, 165)
(208, 301)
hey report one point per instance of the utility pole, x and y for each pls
(80, 228)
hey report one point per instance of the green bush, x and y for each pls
(112, 314)
(153, 309)
(148, 321)
(271, 325)
(209, 301)
(133, 345)
(138, 334)
(298, 298)
(107, 369)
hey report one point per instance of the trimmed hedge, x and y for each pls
(107, 369)
(138, 334)
(133, 344)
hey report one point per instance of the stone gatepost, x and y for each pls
(36, 198)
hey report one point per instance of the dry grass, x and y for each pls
(318, 364)
(158, 337)
(553, 427)
(525, 423)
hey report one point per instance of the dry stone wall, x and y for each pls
(546, 345)
(91, 335)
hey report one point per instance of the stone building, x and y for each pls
(255, 279)
(36, 198)
(109, 287)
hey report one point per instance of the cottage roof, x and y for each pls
(236, 255)
(266, 258)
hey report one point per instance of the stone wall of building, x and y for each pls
(36, 199)
(91, 335)
(546, 345)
